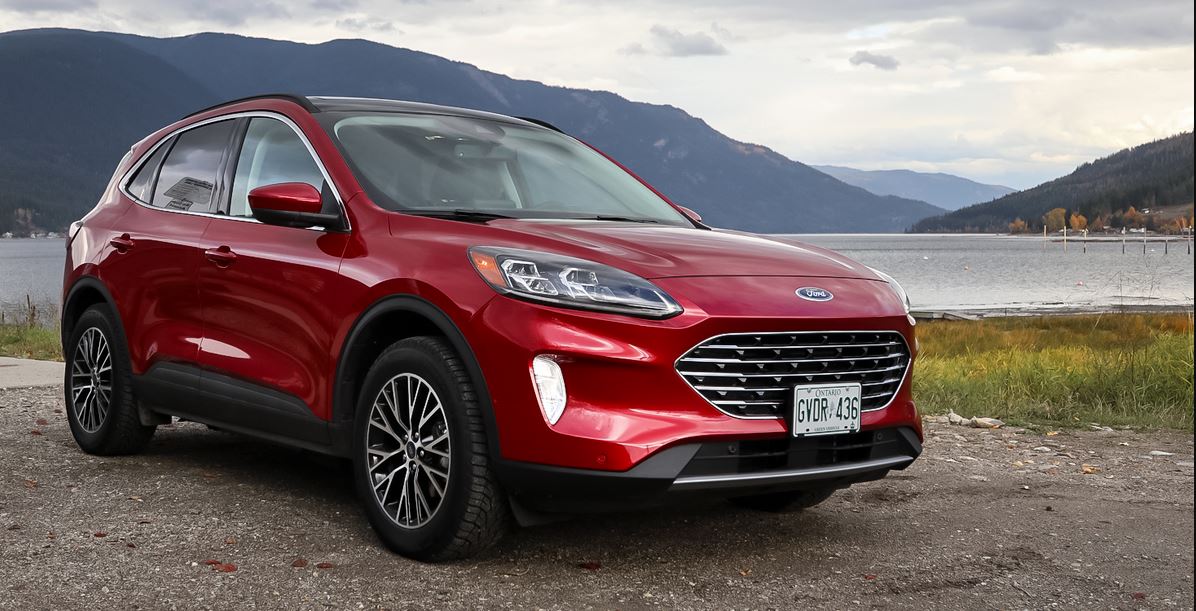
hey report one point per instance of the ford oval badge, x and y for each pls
(812, 293)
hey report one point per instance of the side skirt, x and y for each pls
(188, 392)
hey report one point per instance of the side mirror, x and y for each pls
(292, 204)
(693, 216)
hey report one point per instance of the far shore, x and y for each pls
(979, 312)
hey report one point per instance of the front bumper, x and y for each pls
(626, 400)
(716, 468)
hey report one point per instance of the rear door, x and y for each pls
(151, 264)
(266, 291)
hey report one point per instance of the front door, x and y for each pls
(266, 291)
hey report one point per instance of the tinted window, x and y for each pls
(142, 184)
(188, 177)
(272, 153)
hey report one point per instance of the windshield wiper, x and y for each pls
(623, 219)
(462, 214)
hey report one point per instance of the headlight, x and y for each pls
(893, 284)
(569, 282)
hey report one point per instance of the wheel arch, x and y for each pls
(84, 293)
(386, 321)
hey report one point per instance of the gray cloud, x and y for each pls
(333, 5)
(224, 13)
(47, 6)
(883, 62)
(1035, 26)
(1012, 17)
(672, 42)
(723, 33)
(362, 23)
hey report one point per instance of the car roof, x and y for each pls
(315, 104)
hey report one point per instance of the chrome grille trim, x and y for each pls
(755, 386)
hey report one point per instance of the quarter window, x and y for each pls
(187, 181)
(271, 154)
(142, 185)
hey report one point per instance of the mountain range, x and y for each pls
(74, 102)
(1157, 175)
(943, 190)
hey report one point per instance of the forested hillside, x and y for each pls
(1110, 192)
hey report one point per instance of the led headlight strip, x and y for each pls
(570, 282)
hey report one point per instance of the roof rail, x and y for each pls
(541, 123)
(290, 97)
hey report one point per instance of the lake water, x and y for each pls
(948, 272)
(966, 272)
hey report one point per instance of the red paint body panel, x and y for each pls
(280, 313)
(269, 316)
(154, 284)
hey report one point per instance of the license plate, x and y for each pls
(826, 409)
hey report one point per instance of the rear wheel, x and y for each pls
(421, 464)
(101, 406)
(784, 502)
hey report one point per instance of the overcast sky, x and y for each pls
(1013, 91)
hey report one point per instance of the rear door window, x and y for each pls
(187, 181)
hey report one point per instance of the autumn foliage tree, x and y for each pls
(1018, 226)
(1132, 218)
(1078, 222)
(1055, 220)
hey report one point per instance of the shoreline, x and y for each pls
(983, 312)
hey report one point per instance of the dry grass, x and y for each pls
(1113, 369)
(27, 342)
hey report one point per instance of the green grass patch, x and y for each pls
(27, 342)
(1113, 369)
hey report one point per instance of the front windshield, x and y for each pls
(438, 164)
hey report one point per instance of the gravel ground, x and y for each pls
(985, 519)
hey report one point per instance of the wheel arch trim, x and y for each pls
(66, 324)
(344, 404)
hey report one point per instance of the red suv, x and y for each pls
(492, 319)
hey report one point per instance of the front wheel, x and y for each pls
(420, 459)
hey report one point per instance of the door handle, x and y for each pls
(222, 256)
(122, 243)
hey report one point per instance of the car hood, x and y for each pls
(656, 251)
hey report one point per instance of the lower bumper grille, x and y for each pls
(772, 455)
(752, 375)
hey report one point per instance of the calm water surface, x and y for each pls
(939, 271)
(985, 271)
(33, 268)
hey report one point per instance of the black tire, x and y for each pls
(119, 431)
(784, 502)
(472, 513)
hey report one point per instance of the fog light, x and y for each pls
(550, 387)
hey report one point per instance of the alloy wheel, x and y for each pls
(408, 450)
(91, 380)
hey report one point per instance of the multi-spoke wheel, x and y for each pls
(91, 380)
(98, 387)
(420, 457)
(409, 450)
